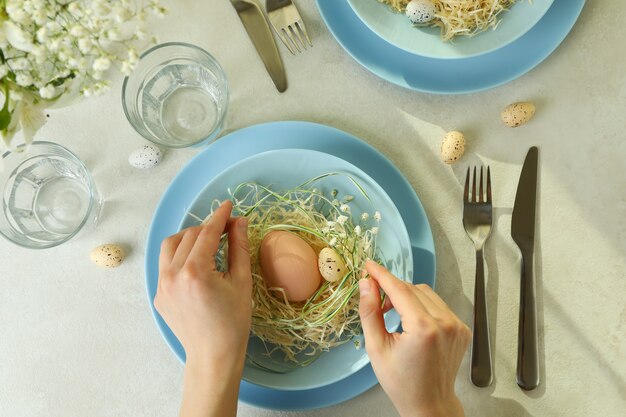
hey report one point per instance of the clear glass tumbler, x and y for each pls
(48, 196)
(177, 96)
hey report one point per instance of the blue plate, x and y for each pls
(217, 157)
(398, 30)
(285, 169)
(444, 76)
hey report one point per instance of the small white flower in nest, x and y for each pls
(333, 241)
(374, 230)
(357, 230)
(365, 216)
(377, 216)
(342, 219)
(344, 208)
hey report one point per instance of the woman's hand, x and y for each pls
(416, 368)
(210, 312)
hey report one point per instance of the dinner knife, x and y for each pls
(523, 233)
(259, 32)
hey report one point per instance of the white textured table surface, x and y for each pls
(76, 340)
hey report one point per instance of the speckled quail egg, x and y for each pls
(420, 11)
(146, 157)
(452, 147)
(108, 256)
(517, 114)
(331, 266)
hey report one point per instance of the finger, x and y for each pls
(189, 238)
(400, 295)
(206, 246)
(168, 249)
(387, 305)
(434, 297)
(239, 251)
(432, 308)
(371, 315)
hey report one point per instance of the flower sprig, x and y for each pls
(51, 47)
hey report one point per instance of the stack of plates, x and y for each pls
(285, 153)
(388, 45)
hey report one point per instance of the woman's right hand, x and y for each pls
(416, 368)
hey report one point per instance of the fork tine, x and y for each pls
(481, 198)
(289, 36)
(474, 187)
(296, 34)
(466, 190)
(283, 37)
(302, 28)
(292, 36)
(488, 185)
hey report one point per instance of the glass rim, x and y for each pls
(152, 50)
(92, 187)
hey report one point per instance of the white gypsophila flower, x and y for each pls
(78, 31)
(374, 230)
(73, 43)
(365, 216)
(101, 64)
(357, 230)
(47, 92)
(333, 241)
(17, 38)
(342, 220)
(24, 79)
(335, 202)
(20, 64)
(344, 208)
(330, 224)
(126, 68)
(377, 216)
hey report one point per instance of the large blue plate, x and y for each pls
(280, 135)
(444, 76)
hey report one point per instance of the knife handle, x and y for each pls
(527, 349)
(481, 371)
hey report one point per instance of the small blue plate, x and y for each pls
(243, 143)
(445, 76)
(286, 169)
(398, 30)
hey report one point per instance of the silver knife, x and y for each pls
(523, 233)
(259, 32)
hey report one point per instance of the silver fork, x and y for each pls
(477, 219)
(288, 23)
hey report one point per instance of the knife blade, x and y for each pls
(261, 36)
(523, 233)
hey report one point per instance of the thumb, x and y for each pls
(372, 316)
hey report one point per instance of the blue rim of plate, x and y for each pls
(446, 76)
(279, 135)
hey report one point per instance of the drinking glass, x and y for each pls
(48, 196)
(177, 96)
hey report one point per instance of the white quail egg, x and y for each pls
(146, 157)
(420, 11)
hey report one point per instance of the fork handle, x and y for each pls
(527, 349)
(481, 372)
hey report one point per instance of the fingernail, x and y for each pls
(224, 202)
(365, 287)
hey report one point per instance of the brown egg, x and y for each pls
(288, 262)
